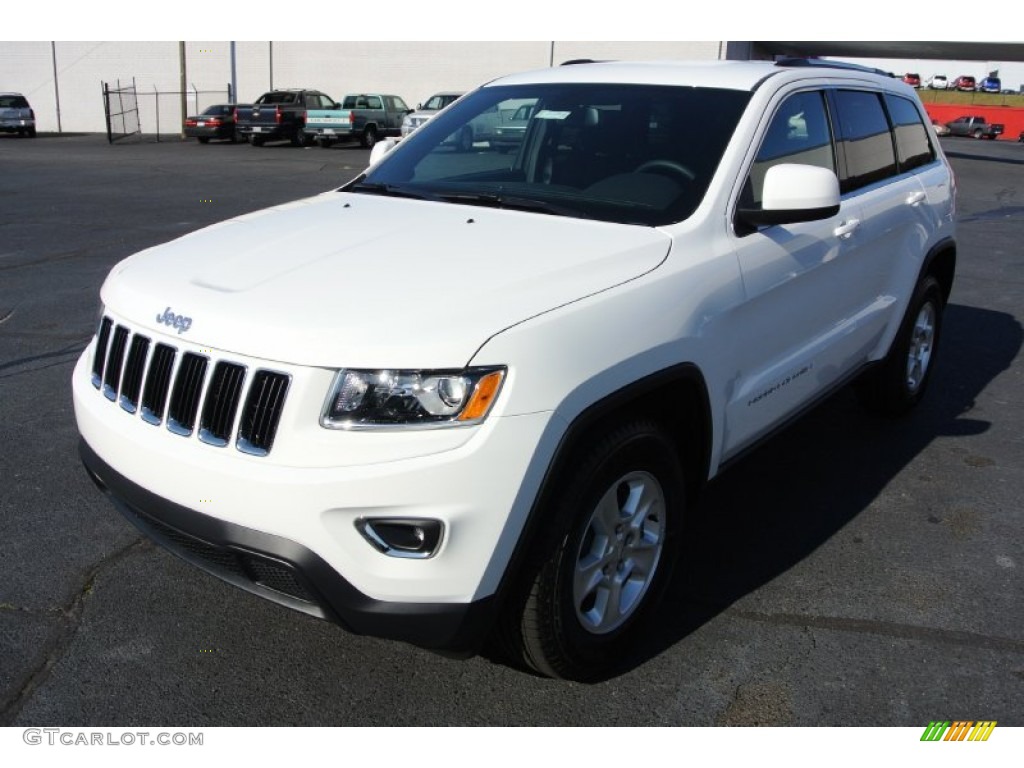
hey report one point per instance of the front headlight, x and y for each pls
(367, 399)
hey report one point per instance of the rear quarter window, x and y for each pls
(913, 142)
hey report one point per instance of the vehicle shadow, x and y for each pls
(962, 155)
(776, 506)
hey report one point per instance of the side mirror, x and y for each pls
(793, 193)
(381, 148)
(419, 106)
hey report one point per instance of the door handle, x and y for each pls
(916, 198)
(846, 229)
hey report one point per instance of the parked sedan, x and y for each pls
(216, 122)
(965, 83)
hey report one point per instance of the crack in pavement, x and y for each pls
(972, 640)
(72, 349)
(69, 618)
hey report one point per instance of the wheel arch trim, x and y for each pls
(572, 436)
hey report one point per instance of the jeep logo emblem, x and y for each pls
(180, 322)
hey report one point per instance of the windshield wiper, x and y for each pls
(390, 190)
(512, 202)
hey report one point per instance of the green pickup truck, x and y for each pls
(363, 116)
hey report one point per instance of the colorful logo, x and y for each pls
(959, 730)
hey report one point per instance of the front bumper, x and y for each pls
(286, 525)
(287, 573)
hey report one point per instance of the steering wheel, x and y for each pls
(673, 168)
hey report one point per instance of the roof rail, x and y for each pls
(580, 61)
(829, 64)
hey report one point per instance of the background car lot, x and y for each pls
(883, 588)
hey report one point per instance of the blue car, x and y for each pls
(990, 85)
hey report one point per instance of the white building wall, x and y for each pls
(413, 70)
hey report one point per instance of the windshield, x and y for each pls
(636, 154)
(435, 103)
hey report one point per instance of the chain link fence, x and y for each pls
(162, 109)
(121, 107)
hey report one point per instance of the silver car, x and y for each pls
(427, 110)
(16, 116)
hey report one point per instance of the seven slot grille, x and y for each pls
(163, 385)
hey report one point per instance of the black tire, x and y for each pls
(204, 139)
(978, 134)
(31, 133)
(324, 143)
(899, 382)
(257, 141)
(611, 529)
(369, 137)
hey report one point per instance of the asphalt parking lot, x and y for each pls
(854, 571)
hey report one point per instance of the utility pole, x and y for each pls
(56, 89)
(184, 94)
(234, 75)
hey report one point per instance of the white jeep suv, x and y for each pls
(479, 392)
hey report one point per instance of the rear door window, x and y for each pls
(865, 143)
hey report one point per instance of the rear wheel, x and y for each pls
(369, 137)
(607, 553)
(899, 382)
(204, 139)
(978, 134)
(257, 141)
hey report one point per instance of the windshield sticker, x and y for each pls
(550, 114)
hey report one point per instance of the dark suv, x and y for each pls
(16, 116)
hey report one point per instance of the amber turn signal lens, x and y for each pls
(483, 396)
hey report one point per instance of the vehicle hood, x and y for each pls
(360, 280)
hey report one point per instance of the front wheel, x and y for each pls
(899, 382)
(598, 571)
(978, 134)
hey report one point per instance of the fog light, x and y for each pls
(402, 537)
